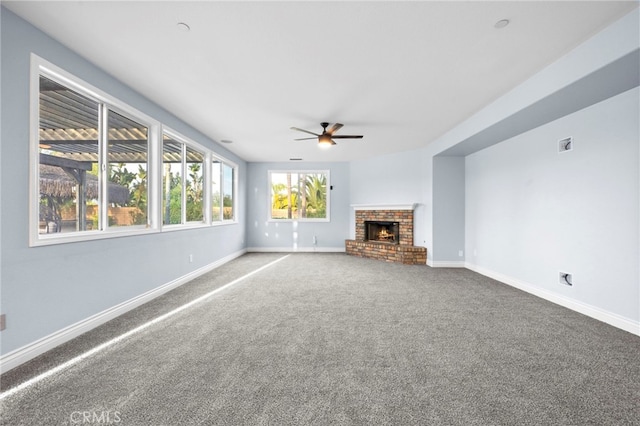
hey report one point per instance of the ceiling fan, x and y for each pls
(325, 140)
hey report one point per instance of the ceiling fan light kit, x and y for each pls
(325, 140)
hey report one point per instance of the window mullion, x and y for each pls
(206, 188)
(221, 201)
(103, 156)
(183, 209)
(154, 177)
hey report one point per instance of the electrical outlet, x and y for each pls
(565, 144)
(566, 279)
(460, 253)
(315, 240)
(3, 322)
(190, 258)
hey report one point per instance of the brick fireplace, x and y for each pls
(393, 239)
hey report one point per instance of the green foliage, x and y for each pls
(308, 198)
(194, 210)
(137, 184)
(193, 195)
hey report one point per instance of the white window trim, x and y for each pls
(234, 166)
(187, 142)
(151, 173)
(40, 66)
(306, 171)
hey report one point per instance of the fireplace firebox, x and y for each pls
(382, 232)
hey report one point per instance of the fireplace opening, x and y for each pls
(382, 232)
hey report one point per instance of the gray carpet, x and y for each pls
(332, 339)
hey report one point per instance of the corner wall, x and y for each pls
(398, 178)
(529, 212)
(532, 212)
(448, 212)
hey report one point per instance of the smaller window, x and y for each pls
(223, 189)
(183, 181)
(299, 195)
(194, 190)
(172, 181)
(228, 180)
(127, 148)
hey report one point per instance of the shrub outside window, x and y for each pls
(182, 181)
(299, 195)
(172, 180)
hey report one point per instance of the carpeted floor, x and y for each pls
(333, 339)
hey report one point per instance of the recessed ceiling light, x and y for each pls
(501, 23)
(185, 28)
(226, 141)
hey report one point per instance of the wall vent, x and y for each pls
(565, 144)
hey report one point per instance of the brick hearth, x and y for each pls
(404, 252)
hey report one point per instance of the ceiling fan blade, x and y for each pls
(335, 128)
(305, 131)
(304, 139)
(347, 136)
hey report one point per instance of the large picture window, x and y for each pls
(88, 182)
(101, 168)
(299, 195)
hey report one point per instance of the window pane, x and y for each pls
(228, 177)
(68, 158)
(280, 196)
(127, 168)
(195, 167)
(172, 181)
(315, 190)
(216, 189)
(298, 195)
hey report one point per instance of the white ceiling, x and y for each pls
(399, 73)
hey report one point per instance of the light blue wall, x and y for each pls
(533, 212)
(448, 211)
(269, 235)
(45, 289)
(530, 212)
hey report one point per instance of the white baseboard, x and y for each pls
(445, 264)
(40, 346)
(610, 318)
(295, 250)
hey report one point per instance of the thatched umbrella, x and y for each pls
(55, 182)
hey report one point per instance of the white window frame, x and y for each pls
(223, 161)
(206, 172)
(42, 67)
(299, 171)
(106, 102)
